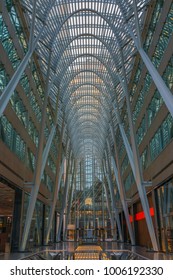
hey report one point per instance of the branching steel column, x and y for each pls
(75, 208)
(137, 24)
(107, 201)
(47, 149)
(9, 90)
(31, 38)
(103, 207)
(110, 184)
(125, 139)
(93, 194)
(120, 186)
(70, 200)
(50, 139)
(37, 174)
(69, 194)
(56, 186)
(138, 169)
(64, 200)
(159, 82)
(143, 197)
(38, 225)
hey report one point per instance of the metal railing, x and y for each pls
(85, 255)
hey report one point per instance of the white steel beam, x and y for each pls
(157, 79)
(64, 200)
(138, 175)
(38, 169)
(120, 185)
(9, 89)
(111, 189)
(107, 201)
(70, 201)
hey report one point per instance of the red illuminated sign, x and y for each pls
(140, 215)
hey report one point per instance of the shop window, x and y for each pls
(35, 233)
(154, 106)
(168, 74)
(4, 78)
(164, 38)
(156, 145)
(19, 108)
(144, 158)
(162, 137)
(141, 131)
(164, 204)
(129, 181)
(11, 138)
(167, 130)
(140, 101)
(16, 23)
(154, 20)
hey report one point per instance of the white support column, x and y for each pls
(107, 200)
(8, 91)
(47, 149)
(142, 194)
(112, 211)
(138, 175)
(70, 201)
(159, 82)
(56, 186)
(120, 185)
(38, 230)
(125, 139)
(50, 138)
(93, 195)
(64, 200)
(37, 178)
(31, 37)
(137, 24)
(110, 184)
(157, 79)
(103, 207)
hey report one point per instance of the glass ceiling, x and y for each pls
(85, 38)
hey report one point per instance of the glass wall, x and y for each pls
(164, 204)
(162, 137)
(35, 235)
(27, 98)
(46, 218)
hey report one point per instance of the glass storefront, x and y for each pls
(7, 199)
(164, 204)
(35, 236)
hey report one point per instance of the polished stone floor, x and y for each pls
(107, 246)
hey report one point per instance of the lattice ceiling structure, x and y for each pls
(85, 39)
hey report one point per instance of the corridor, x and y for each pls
(86, 129)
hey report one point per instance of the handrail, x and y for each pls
(42, 252)
(128, 251)
(71, 255)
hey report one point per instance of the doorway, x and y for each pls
(7, 195)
